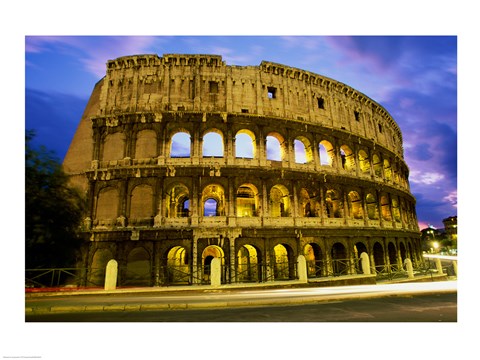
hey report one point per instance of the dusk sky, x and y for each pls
(413, 77)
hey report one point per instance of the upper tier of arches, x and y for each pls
(248, 146)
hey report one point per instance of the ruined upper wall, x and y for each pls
(204, 83)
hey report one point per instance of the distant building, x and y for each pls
(440, 240)
(450, 224)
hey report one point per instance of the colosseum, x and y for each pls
(185, 159)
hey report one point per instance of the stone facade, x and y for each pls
(163, 212)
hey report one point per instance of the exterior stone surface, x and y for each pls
(149, 200)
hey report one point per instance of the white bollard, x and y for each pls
(111, 275)
(409, 267)
(216, 272)
(302, 269)
(438, 264)
(365, 263)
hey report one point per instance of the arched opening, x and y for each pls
(178, 267)
(377, 165)
(314, 259)
(302, 150)
(213, 201)
(358, 249)
(245, 144)
(114, 147)
(364, 162)
(347, 158)
(141, 206)
(107, 207)
(385, 206)
(355, 205)
(403, 252)
(247, 201)
(387, 169)
(333, 204)
(209, 253)
(177, 201)
(146, 144)
(396, 210)
(212, 144)
(180, 145)
(275, 147)
(279, 201)
(340, 262)
(138, 268)
(372, 207)
(96, 273)
(392, 256)
(308, 206)
(248, 264)
(378, 257)
(283, 264)
(327, 153)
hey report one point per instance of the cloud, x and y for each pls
(92, 51)
(427, 178)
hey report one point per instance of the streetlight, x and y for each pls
(435, 246)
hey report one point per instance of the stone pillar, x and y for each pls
(111, 275)
(216, 272)
(302, 269)
(454, 263)
(195, 275)
(365, 261)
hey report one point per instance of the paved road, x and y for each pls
(402, 308)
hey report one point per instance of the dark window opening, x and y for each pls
(320, 103)
(213, 87)
(380, 127)
(272, 92)
(245, 111)
(357, 115)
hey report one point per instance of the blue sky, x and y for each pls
(413, 77)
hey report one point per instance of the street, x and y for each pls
(431, 301)
(406, 308)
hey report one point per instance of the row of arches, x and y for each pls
(249, 200)
(252, 263)
(300, 149)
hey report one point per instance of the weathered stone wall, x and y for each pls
(149, 204)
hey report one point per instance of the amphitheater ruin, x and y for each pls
(185, 159)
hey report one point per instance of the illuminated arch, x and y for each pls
(327, 153)
(247, 201)
(213, 200)
(245, 144)
(177, 201)
(303, 150)
(279, 201)
(213, 144)
(275, 147)
(180, 145)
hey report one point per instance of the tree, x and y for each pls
(53, 211)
